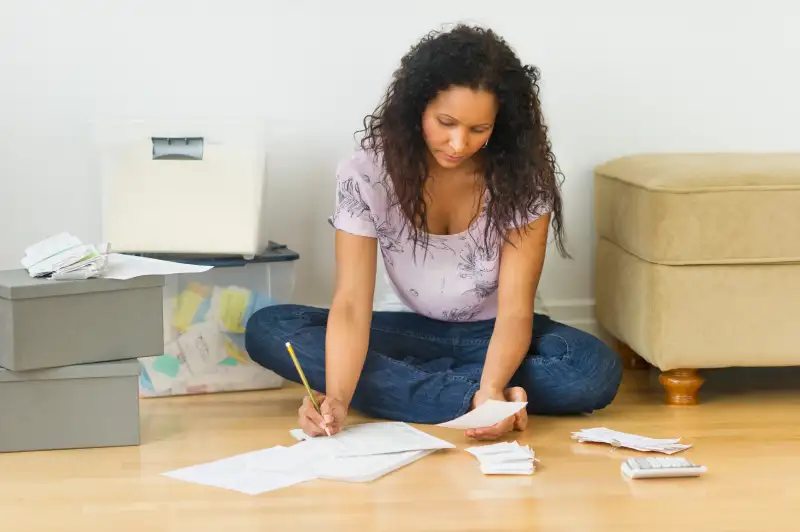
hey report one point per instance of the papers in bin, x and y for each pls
(64, 256)
(630, 441)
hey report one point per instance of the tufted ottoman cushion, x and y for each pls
(698, 261)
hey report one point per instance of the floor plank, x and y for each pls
(746, 430)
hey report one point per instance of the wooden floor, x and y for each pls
(747, 431)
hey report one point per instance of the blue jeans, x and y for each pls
(420, 370)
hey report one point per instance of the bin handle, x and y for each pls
(177, 148)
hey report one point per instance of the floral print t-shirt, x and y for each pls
(455, 280)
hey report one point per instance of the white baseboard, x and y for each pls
(578, 313)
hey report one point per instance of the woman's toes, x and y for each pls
(521, 421)
(517, 394)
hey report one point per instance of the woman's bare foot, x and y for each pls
(518, 394)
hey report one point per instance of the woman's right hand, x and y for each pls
(332, 416)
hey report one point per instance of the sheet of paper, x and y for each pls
(228, 306)
(630, 441)
(299, 434)
(234, 474)
(167, 370)
(365, 468)
(124, 267)
(203, 347)
(377, 438)
(360, 453)
(189, 306)
(385, 437)
(303, 455)
(321, 458)
(489, 413)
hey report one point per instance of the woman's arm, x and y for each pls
(350, 314)
(520, 270)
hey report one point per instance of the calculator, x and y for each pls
(661, 467)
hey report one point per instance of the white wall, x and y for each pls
(619, 78)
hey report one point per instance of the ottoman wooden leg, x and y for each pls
(630, 360)
(681, 386)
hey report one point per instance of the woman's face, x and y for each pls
(457, 123)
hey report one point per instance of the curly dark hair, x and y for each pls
(520, 170)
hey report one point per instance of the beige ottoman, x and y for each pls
(698, 262)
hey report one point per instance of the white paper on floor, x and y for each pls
(234, 473)
(631, 441)
(360, 453)
(318, 459)
(384, 438)
(505, 458)
(487, 414)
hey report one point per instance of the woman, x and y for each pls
(456, 184)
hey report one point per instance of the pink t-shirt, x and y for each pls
(456, 280)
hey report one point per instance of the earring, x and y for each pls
(486, 143)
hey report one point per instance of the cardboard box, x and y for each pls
(82, 406)
(47, 324)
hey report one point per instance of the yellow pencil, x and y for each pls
(305, 382)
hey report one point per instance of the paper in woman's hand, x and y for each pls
(487, 414)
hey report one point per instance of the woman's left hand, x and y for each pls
(516, 422)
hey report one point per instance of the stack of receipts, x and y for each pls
(64, 256)
(359, 453)
(506, 458)
(630, 441)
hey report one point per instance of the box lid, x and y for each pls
(18, 284)
(120, 368)
(273, 253)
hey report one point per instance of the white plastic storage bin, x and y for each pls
(206, 177)
(204, 322)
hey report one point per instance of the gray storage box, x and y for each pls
(46, 324)
(83, 406)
